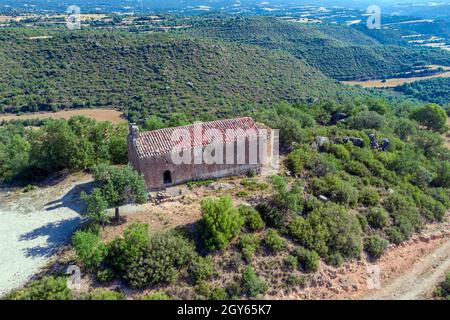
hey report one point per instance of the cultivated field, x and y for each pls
(111, 115)
(391, 83)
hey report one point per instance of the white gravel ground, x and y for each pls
(33, 226)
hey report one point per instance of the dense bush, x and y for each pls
(221, 222)
(375, 246)
(404, 213)
(89, 249)
(161, 262)
(308, 260)
(202, 268)
(104, 294)
(47, 288)
(334, 259)
(273, 241)
(288, 199)
(252, 285)
(369, 197)
(405, 128)
(378, 218)
(291, 262)
(272, 216)
(327, 230)
(252, 218)
(336, 189)
(319, 163)
(123, 251)
(248, 244)
(366, 120)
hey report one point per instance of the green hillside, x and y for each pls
(150, 73)
(432, 90)
(340, 52)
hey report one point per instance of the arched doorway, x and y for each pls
(167, 177)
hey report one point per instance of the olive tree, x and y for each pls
(120, 186)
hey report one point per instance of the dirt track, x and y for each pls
(421, 280)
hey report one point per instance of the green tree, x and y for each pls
(178, 119)
(221, 222)
(96, 206)
(431, 116)
(120, 186)
(153, 123)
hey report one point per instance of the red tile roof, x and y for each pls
(158, 142)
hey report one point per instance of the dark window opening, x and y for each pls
(167, 176)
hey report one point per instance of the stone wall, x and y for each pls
(153, 168)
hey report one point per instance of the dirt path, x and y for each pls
(33, 226)
(420, 281)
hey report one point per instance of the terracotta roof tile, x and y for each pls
(158, 142)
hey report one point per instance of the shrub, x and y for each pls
(289, 201)
(404, 128)
(252, 218)
(443, 290)
(273, 241)
(291, 263)
(334, 259)
(122, 252)
(166, 255)
(105, 275)
(322, 164)
(294, 281)
(202, 268)
(221, 222)
(366, 120)
(248, 245)
(369, 197)
(242, 194)
(308, 260)
(104, 294)
(442, 178)
(336, 189)
(375, 246)
(421, 177)
(271, 216)
(404, 212)
(89, 249)
(252, 285)
(429, 208)
(378, 218)
(234, 290)
(327, 230)
(395, 235)
(157, 295)
(218, 293)
(363, 222)
(356, 168)
(339, 151)
(47, 288)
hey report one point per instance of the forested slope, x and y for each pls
(150, 73)
(432, 90)
(340, 52)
